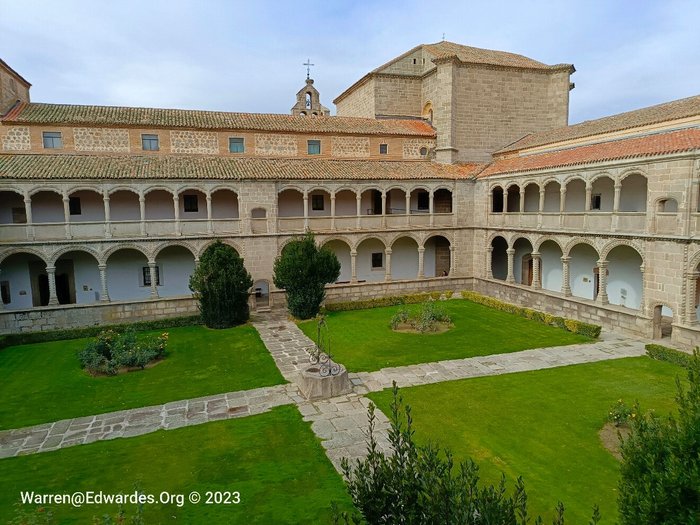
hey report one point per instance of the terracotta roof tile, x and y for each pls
(65, 114)
(677, 109)
(72, 167)
(476, 55)
(650, 145)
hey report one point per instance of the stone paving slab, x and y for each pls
(139, 421)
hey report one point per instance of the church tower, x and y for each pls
(309, 102)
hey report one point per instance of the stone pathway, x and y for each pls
(138, 421)
(340, 423)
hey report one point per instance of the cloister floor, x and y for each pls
(44, 382)
(542, 425)
(363, 340)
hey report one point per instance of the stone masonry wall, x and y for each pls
(194, 142)
(397, 96)
(275, 144)
(101, 139)
(16, 139)
(360, 103)
(350, 147)
(411, 147)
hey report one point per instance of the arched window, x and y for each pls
(308, 100)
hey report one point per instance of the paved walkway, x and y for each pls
(340, 423)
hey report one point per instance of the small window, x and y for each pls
(414, 60)
(52, 139)
(74, 206)
(19, 216)
(377, 260)
(383, 149)
(236, 145)
(5, 291)
(314, 147)
(424, 151)
(317, 202)
(190, 203)
(595, 201)
(147, 276)
(423, 200)
(149, 142)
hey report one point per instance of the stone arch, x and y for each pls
(501, 234)
(404, 256)
(512, 197)
(579, 240)
(14, 251)
(437, 257)
(363, 238)
(158, 187)
(694, 261)
(126, 246)
(345, 188)
(552, 196)
(319, 187)
(541, 240)
(160, 247)
(666, 204)
(340, 238)
(610, 246)
(293, 187)
(130, 189)
(11, 202)
(260, 293)
(227, 187)
(239, 248)
(497, 198)
(634, 192)
(523, 264)
(625, 280)
(635, 170)
(601, 174)
(444, 234)
(499, 257)
(84, 187)
(583, 269)
(370, 262)
(427, 112)
(66, 249)
(575, 198)
(410, 235)
(551, 268)
(39, 189)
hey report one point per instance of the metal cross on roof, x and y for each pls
(308, 65)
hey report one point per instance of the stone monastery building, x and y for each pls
(450, 167)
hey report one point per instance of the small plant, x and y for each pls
(113, 350)
(620, 414)
(399, 318)
(427, 319)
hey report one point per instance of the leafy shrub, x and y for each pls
(399, 318)
(664, 353)
(303, 270)
(660, 471)
(112, 350)
(221, 284)
(380, 302)
(620, 414)
(424, 320)
(421, 484)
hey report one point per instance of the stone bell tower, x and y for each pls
(309, 99)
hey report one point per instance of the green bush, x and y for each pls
(664, 353)
(380, 302)
(660, 471)
(221, 284)
(112, 350)
(421, 484)
(424, 320)
(92, 331)
(303, 270)
(620, 414)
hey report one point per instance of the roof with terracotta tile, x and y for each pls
(476, 55)
(677, 109)
(65, 114)
(647, 146)
(71, 167)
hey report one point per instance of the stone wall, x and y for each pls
(76, 316)
(397, 95)
(350, 147)
(412, 147)
(275, 144)
(194, 142)
(11, 90)
(16, 139)
(359, 103)
(101, 139)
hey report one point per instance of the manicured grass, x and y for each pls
(272, 459)
(542, 425)
(362, 340)
(44, 382)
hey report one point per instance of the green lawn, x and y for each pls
(273, 460)
(44, 382)
(542, 425)
(362, 340)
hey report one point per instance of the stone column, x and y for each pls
(691, 290)
(210, 226)
(421, 262)
(510, 278)
(108, 219)
(408, 208)
(387, 264)
(51, 273)
(28, 212)
(66, 215)
(540, 208)
(562, 205)
(565, 284)
(616, 201)
(104, 294)
(306, 210)
(522, 200)
(431, 206)
(358, 210)
(353, 266)
(452, 260)
(489, 268)
(587, 205)
(383, 209)
(602, 282)
(154, 282)
(643, 298)
(536, 273)
(333, 211)
(176, 207)
(142, 212)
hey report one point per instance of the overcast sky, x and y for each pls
(247, 56)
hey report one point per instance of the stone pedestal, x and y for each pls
(314, 386)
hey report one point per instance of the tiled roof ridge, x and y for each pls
(223, 120)
(590, 129)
